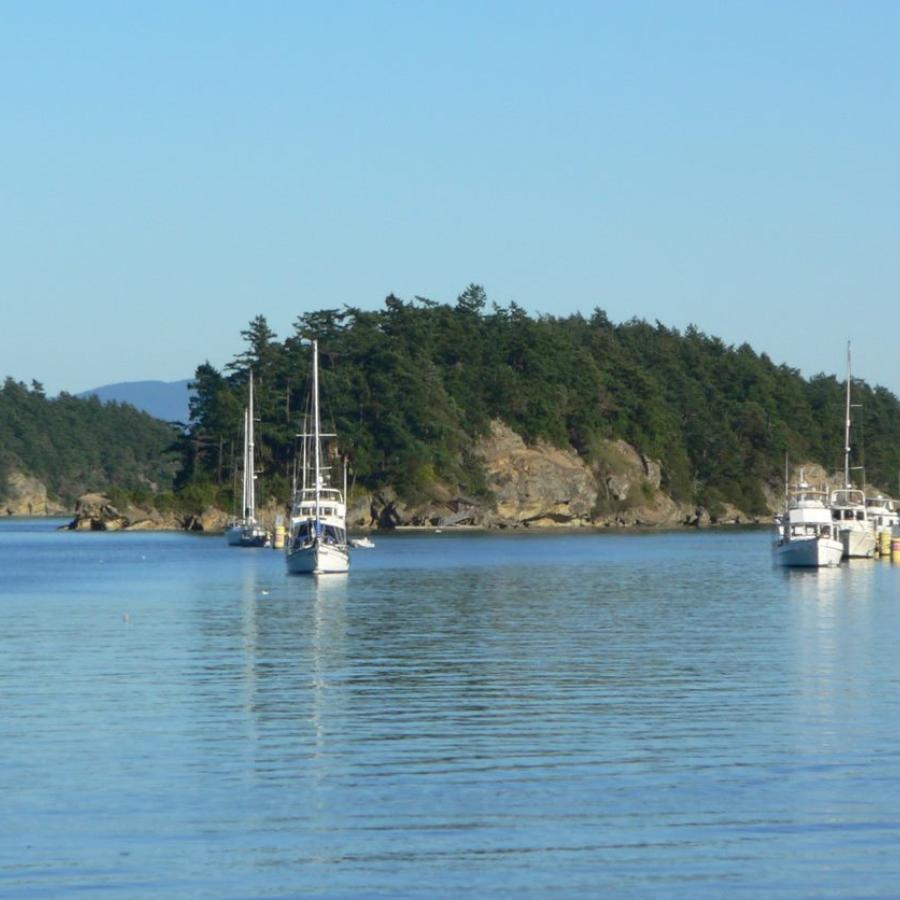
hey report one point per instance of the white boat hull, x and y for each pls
(858, 544)
(809, 552)
(246, 536)
(318, 559)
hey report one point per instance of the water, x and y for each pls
(490, 715)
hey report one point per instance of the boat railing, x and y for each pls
(305, 495)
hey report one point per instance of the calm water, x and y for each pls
(522, 715)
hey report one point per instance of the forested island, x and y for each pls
(438, 406)
(54, 449)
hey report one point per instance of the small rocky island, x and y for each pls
(95, 512)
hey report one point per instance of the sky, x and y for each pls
(170, 170)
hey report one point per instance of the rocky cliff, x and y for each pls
(542, 485)
(24, 495)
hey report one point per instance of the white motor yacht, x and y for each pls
(806, 535)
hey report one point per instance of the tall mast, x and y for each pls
(305, 467)
(244, 467)
(847, 426)
(787, 481)
(318, 460)
(251, 468)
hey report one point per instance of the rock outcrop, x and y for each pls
(25, 495)
(211, 520)
(95, 512)
(539, 485)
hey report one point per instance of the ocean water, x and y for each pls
(524, 715)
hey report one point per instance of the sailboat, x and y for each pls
(245, 531)
(317, 540)
(848, 504)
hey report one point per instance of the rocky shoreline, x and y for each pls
(94, 512)
(530, 486)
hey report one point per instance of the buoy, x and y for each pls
(895, 549)
(884, 543)
(278, 543)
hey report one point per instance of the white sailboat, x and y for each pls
(245, 531)
(317, 540)
(848, 504)
(806, 535)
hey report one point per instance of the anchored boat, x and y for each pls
(317, 540)
(848, 504)
(245, 531)
(806, 534)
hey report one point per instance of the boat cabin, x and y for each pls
(799, 530)
(848, 505)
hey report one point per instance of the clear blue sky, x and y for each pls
(170, 170)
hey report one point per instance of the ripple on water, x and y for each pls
(512, 715)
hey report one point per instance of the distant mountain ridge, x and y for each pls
(166, 400)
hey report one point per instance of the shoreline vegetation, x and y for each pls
(461, 414)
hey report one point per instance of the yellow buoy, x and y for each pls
(278, 542)
(895, 549)
(884, 543)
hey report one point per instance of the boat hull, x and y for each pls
(245, 536)
(858, 544)
(809, 552)
(318, 559)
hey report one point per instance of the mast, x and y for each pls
(305, 467)
(244, 467)
(787, 481)
(251, 469)
(847, 426)
(318, 460)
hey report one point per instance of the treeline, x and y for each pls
(411, 386)
(75, 445)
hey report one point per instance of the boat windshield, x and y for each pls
(848, 497)
(810, 529)
(848, 514)
(808, 497)
(306, 531)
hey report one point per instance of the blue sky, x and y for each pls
(170, 170)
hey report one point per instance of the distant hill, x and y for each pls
(166, 400)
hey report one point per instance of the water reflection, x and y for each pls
(834, 635)
(329, 626)
(551, 715)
